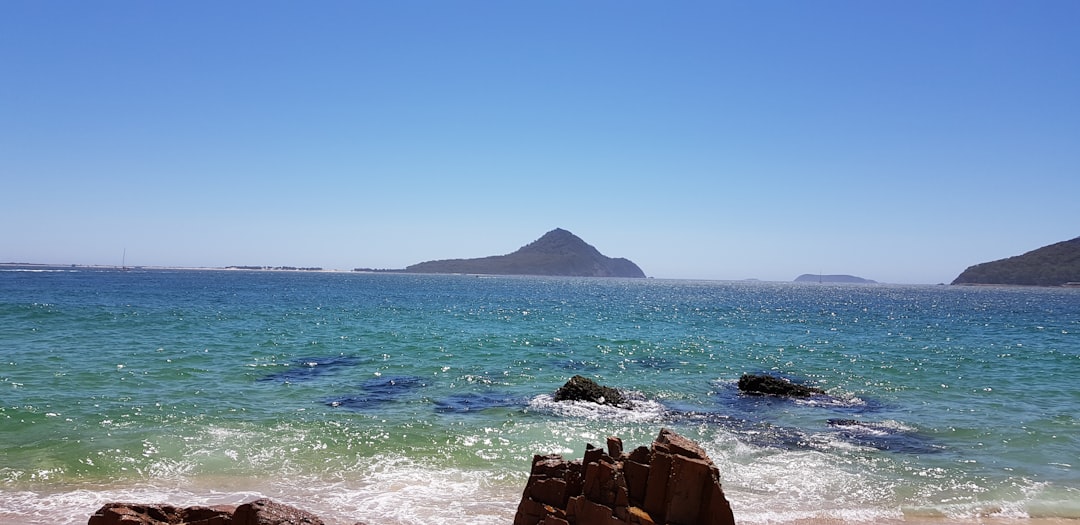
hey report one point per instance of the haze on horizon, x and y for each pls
(899, 142)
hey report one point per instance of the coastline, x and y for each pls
(413, 498)
(483, 513)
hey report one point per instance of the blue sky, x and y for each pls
(897, 141)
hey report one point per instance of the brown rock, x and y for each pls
(690, 478)
(673, 483)
(641, 455)
(160, 514)
(267, 512)
(679, 446)
(637, 476)
(656, 488)
(614, 447)
(258, 512)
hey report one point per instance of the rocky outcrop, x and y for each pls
(673, 482)
(258, 512)
(775, 386)
(581, 388)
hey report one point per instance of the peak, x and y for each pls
(559, 239)
(558, 232)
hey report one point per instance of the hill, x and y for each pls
(1053, 265)
(815, 278)
(558, 252)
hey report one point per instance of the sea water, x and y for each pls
(421, 399)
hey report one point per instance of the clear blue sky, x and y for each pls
(900, 141)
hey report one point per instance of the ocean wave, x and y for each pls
(639, 411)
(391, 490)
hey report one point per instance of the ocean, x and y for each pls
(421, 399)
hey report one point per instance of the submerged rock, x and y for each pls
(673, 482)
(775, 386)
(581, 388)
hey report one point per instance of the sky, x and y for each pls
(899, 141)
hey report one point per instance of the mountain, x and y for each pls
(1053, 265)
(815, 278)
(558, 252)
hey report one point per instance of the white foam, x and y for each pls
(639, 411)
(391, 491)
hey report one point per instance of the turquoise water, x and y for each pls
(414, 399)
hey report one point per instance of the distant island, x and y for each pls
(847, 279)
(557, 253)
(1054, 265)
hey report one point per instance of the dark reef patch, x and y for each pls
(883, 436)
(472, 402)
(379, 391)
(309, 368)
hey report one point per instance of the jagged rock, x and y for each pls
(139, 514)
(673, 483)
(580, 388)
(775, 386)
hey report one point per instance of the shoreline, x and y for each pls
(418, 496)
(79, 515)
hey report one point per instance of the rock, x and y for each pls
(580, 388)
(258, 512)
(674, 483)
(775, 386)
(267, 512)
(140, 514)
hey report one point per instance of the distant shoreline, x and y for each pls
(199, 268)
(298, 269)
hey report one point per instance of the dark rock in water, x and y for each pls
(674, 482)
(775, 386)
(580, 388)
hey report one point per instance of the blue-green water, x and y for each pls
(414, 399)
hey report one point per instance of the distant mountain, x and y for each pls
(558, 252)
(1053, 265)
(815, 278)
